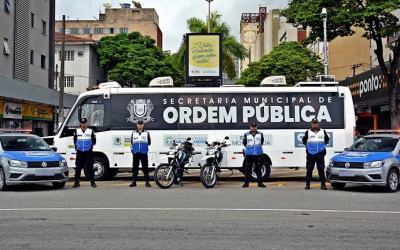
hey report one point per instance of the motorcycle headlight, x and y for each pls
(17, 164)
(374, 164)
(63, 163)
(210, 152)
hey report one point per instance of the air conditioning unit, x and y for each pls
(165, 81)
(80, 53)
(273, 81)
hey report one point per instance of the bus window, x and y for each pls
(94, 110)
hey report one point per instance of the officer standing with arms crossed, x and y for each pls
(84, 140)
(140, 142)
(253, 141)
(315, 140)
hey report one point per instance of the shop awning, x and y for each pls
(11, 88)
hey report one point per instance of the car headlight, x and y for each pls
(63, 163)
(331, 163)
(374, 164)
(17, 164)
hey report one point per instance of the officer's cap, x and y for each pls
(253, 124)
(83, 120)
(140, 122)
(314, 120)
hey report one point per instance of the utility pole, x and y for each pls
(209, 15)
(56, 76)
(324, 16)
(62, 74)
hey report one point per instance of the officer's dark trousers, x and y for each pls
(248, 167)
(144, 160)
(320, 162)
(84, 160)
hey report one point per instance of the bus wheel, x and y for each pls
(265, 172)
(101, 168)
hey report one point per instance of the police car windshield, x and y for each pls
(374, 144)
(23, 143)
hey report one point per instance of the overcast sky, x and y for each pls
(173, 13)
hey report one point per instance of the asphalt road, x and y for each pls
(283, 216)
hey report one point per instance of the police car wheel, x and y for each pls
(338, 185)
(3, 185)
(58, 185)
(101, 169)
(392, 182)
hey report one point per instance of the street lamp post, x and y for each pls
(324, 16)
(209, 15)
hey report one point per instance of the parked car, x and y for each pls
(28, 159)
(372, 160)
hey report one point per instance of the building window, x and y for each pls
(44, 27)
(69, 81)
(111, 30)
(32, 20)
(43, 62)
(31, 58)
(68, 56)
(6, 47)
(86, 31)
(7, 6)
(123, 30)
(74, 31)
(98, 30)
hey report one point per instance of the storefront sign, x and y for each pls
(37, 112)
(12, 110)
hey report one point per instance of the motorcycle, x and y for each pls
(211, 168)
(179, 156)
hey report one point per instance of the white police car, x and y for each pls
(372, 160)
(28, 159)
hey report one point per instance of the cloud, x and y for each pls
(173, 13)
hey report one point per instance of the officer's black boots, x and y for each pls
(133, 184)
(148, 184)
(261, 185)
(76, 184)
(323, 186)
(93, 184)
(307, 186)
(246, 184)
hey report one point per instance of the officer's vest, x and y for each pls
(316, 142)
(84, 140)
(140, 143)
(253, 146)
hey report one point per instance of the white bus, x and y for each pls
(282, 114)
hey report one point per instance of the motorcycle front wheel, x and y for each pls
(208, 176)
(164, 176)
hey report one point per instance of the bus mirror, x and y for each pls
(188, 139)
(346, 149)
(53, 148)
(226, 137)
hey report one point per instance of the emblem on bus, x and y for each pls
(140, 109)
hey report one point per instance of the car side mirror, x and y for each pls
(346, 149)
(53, 148)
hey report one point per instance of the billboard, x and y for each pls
(203, 59)
(227, 111)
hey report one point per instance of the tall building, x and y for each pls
(115, 21)
(252, 35)
(27, 98)
(82, 69)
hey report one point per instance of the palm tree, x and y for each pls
(231, 48)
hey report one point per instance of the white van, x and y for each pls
(282, 113)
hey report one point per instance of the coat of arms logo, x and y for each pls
(140, 109)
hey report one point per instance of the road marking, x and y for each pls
(196, 209)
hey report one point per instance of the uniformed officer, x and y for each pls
(140, 141)
(253, 141)
(84, 140)
(315, 140)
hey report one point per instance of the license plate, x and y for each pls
(44, 172)
(345, 173)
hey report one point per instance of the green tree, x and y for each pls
(134, 60)
(231, 48)
(290, 59)
(377, 19)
